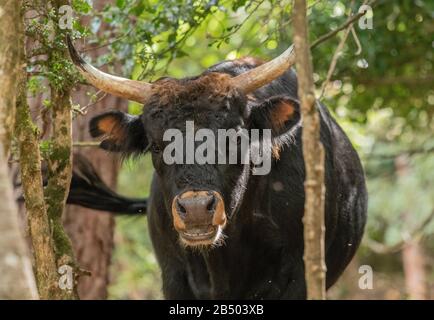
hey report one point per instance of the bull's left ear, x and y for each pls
(120, 131)
(278, 114)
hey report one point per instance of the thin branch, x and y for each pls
(334, 61)
(86, 144)
(109, 43)
(337, 53)
(357, 41)
(340, 28)
(414, 235)
(409, 152)
(239, 25)
(83, 110)
(284, 24)
(403, 80)
(313, 152)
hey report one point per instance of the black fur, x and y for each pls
(88, 190)
(262, 257)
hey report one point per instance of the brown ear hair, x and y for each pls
(120, 131)
(277, 113)
(280, 114)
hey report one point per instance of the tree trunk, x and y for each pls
(59, 163)
(413, 258)
(91, 231)
(414, 271)
(27, 137)
(17, 280)
(313, 153)
(11, 45)
(44, 210)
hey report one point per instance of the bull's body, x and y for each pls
(190, 205)
(263, 253)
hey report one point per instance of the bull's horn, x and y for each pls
(265, 73)
(125, 88)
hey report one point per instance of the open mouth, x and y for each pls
(197, 236)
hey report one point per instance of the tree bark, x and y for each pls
(91, 231)
(59, 179)
(17, 280)
(43, 217)
(413, 258)
(59, 173)
(59, 160)
(414, 271)
(27, 136)
(11, 45)
(37, 219)
(313, 153)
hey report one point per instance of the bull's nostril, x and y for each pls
(181, 208)
(212, 204)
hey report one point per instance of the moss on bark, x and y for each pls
(37, 219)
(60, 162)
(52, 247)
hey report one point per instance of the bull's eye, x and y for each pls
(155, 148)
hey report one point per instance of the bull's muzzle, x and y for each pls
(199, 217)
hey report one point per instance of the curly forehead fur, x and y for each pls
(211, 87)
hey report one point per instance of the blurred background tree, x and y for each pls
(381, 92)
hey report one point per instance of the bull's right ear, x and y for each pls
(120, 131)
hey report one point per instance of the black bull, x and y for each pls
(261, 253)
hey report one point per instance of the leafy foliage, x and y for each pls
(381, 93)
(398, 53)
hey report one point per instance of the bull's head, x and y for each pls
(200, 197)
